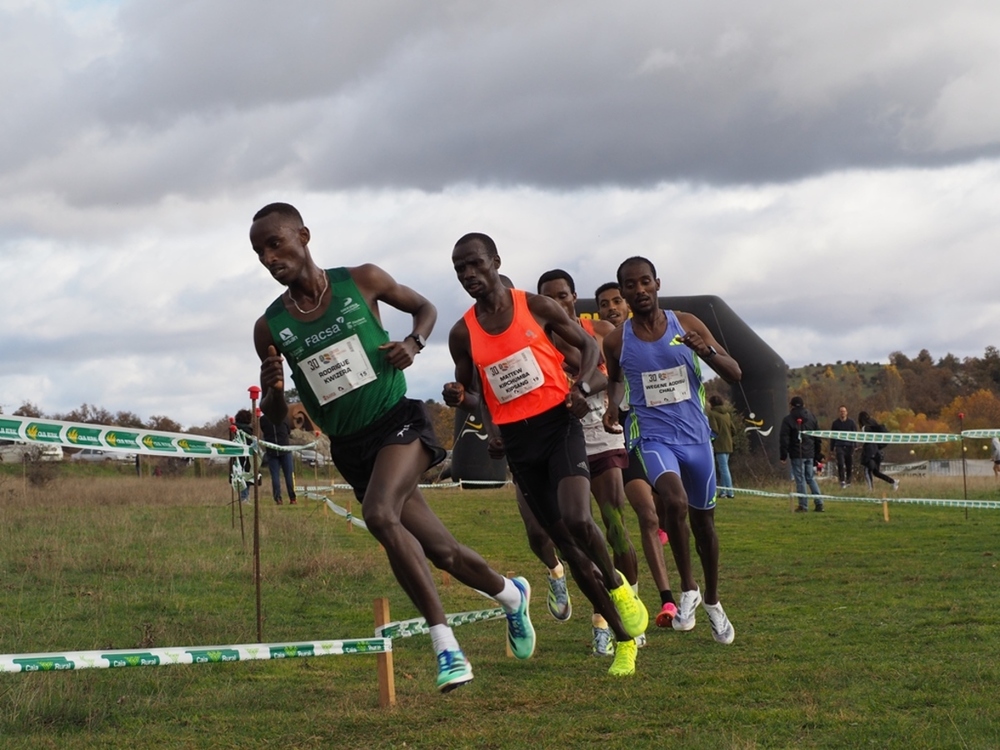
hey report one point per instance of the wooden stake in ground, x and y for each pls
(386, 678)
(885, 509)
(254, 395)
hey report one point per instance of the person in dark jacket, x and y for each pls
(721, 423)
(871, 453)
(278, 462)
(843, 449)
(803, 451)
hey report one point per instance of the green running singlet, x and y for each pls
(343, 379)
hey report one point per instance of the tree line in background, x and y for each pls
(906, 395)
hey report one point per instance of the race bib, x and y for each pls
(514, 376)
(338, 370)
(666, 386)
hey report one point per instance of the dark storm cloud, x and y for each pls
(186, 97)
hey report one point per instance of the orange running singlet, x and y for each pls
(521, 370)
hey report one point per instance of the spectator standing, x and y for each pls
(278, 462)
(803, 451)
(720, 421)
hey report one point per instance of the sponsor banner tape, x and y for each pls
(418, 625)
(904, 438)
(941, 502)
(885, 438)
(120, 439)
(158, 657)
(340, 511)
(979, 434)
(285, 448)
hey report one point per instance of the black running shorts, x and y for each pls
(542, 451)
(354, 455)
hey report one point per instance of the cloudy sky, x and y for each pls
(831, 171)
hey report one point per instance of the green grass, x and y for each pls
(850, 632)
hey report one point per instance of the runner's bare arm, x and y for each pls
(699, 339)
(378, 286)
(272, 373)
(612, 348)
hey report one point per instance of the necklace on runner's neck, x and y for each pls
(326, 285)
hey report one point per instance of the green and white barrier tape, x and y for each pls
(120, 439)
(157, 657)
(418, 625)
(285, 448)
(341, 511)
(980, 434)
(884, 438)
(983, 504)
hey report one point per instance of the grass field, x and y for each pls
(850, 631)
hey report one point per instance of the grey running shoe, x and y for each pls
(604, 644)
(685, 612)
(722, 629)
(560, 607)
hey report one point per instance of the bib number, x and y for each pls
(666, 386)
(337, 370)
(514, 376)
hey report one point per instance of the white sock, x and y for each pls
(443, 639)
(510, 597)
(635, 588)
(557, 572)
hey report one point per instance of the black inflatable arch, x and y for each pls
(762, 395)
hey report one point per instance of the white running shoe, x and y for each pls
(686, 609)
(722, 630)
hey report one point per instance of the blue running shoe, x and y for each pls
(520, 632)
(453, 670)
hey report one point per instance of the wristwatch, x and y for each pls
(711, 353)
(584, 387)
(419, 340)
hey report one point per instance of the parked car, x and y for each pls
(96, 454)
(312, 457)
(16, 451)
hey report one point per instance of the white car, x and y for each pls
(16, 451)
(96, 454)
(311, 457)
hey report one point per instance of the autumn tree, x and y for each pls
(163, 424)
(28, 409)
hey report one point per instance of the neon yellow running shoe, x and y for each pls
(630, 608)
(624, 663)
